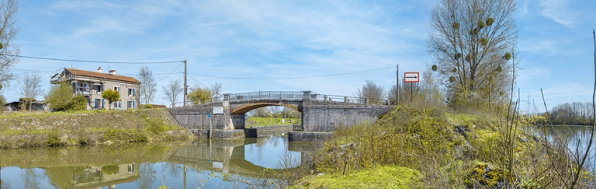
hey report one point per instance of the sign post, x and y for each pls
(210, 127)
(411, 77)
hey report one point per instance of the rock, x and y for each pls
(461, 130)
(320, 174)
(343, 146)
(459, 152)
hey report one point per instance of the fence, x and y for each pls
(267, 95)
(293, 96)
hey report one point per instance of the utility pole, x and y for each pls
(185, 86)
(397, 86)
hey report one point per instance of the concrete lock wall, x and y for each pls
(238, 120)
(327, 118)
(197, 118)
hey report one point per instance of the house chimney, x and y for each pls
(99, 70)
(112, 72)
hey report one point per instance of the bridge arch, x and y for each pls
(244, 108)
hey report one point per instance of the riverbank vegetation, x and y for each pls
(576, 113)
(449, 150)
(87, 127)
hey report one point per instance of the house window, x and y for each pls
(98, 103)
(117, 104)
(130, 104)
(117, 89)
(131, 92)
(131, 168)
(82, 87)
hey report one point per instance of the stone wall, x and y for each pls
(267, 130)
(196, 118)
(309, 136)
(327, 118)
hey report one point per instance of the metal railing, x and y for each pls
(291, 95)
(83, 90)
(267, 95)
(337, 98)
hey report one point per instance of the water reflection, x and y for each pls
(205, 164)
(576, 137)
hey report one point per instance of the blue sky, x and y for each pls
(284, 39)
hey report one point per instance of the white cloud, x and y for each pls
(530, 75)
(558, 11)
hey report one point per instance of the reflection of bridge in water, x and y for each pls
(228, 157)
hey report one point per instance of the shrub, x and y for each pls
(60, 97)
(79, 102)
(53, 140)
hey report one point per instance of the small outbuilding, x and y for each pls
(24, 104)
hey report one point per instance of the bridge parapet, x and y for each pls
(305, 96)
(286, 95)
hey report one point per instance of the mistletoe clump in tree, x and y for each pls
(472, 46)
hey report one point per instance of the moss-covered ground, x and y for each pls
(377, 177)
(87, 127)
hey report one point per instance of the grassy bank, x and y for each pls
(87, 128)
(266, 121)
(448, 150)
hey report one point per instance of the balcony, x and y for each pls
(86, 91)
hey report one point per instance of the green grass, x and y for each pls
(86, 127)
(378, 177)
(266, 121)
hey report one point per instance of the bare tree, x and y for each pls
(30, 87)
(216, 91)
(172, 90)
(472, 45)
(148, 85)
(260, 112)
(372, 91)
(8, 9)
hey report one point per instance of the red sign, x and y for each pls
(411, 77)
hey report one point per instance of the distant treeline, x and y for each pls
(576, 113)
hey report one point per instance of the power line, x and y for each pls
(301, 77)
(197, 81)
(171, 72)
(89, 61)
(125, 74)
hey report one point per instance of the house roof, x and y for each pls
(103, 75)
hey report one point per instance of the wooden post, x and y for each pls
(411, 95)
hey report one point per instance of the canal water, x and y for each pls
(576, 137)
(245, 163)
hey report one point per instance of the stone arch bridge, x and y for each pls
(320, 113)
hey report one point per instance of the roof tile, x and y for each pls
(103, 75)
